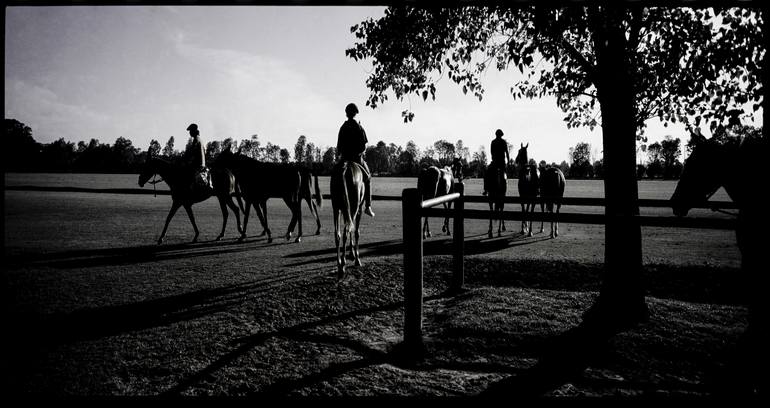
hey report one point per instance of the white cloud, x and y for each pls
(49, 117)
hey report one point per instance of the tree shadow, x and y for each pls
(478, 244)
(61, 328)
(86, 258)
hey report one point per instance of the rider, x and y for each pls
(500, 155)
(351, 145)
(195, 157)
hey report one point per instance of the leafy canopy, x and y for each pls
(688, 65)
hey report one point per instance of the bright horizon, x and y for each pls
(147, 72)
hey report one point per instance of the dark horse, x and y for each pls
(552, 183)
(739, 167)
(435, 182)
(497, 184)
(529, 186)
(259, 181)
(347, 191)
(184, 194)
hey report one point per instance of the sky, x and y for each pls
(147, 72)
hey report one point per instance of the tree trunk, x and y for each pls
(621, 301)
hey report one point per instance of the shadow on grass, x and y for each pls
(85, 258)
(475, 245)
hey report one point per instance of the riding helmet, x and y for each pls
(351, 109)
(192, 126)
(498, 132)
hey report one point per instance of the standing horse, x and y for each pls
(184, 194)
(347, 191)
(497, 185)
(552, 183)
(529, 185)
(260, 181)
(739, 167)
(435, 182)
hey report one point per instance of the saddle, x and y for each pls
(202, 179)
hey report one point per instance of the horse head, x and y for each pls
(701, 175)
(149, 169)
(522, 159)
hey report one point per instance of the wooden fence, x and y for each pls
(413, 209)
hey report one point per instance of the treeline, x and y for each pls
(23, 154)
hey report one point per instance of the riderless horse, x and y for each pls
(435, 182)
(347, 191)
(184, 193)
(259, 181)
(529, 185)
(552, 183)
(739, 167)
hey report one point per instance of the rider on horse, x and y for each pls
(351, 145)
(500, 156)
(195, 159)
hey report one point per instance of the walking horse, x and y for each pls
(529, 186)
(435, 182)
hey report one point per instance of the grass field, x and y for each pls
(96, 308)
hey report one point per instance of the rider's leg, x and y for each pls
(368, 189)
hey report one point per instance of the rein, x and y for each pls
(154, 182)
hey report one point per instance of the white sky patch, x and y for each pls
(252, 94)
(43, 110)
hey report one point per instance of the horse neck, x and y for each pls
(165, 170)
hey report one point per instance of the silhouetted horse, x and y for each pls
(347, 191)
(552, 183)
(529, 186)
(739, 167)
(259, 181)
(435, 182)
(184, 194)
(496, 182)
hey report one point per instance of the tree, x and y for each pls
(479, 163)
(636, 62)
(153, 149)
(461, 151)
(169, 151)
(299, 149)
(580, 161)
(251, 147)
(124, 155)
(272, 153)
(21, 150)
(445, 151)
(670, 150)
(654, 162)
(329, 159)
(57, 156)
(284, 155)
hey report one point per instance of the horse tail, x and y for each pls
(318, 199)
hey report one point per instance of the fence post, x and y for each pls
(411, 205)
(458, 276)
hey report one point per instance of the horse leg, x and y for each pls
(426, 229)
(174, 206)
(223, 207)
(555, 232)
(502, 206)
(188, 208)
(447, 206)
(298, 206)
(491, 217)
(523, 217)
(499, 211)
(530, 211)
(293, 222)
(341, 268)
(314, 212)
(354, 241)
(245, 219)
(234, 207)
(340, 255)
(542, 219)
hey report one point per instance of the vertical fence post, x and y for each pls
(458, 276)
(411, 205)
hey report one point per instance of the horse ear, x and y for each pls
(522, 145)
(526, 145)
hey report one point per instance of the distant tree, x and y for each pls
(407, 161)
(251, 147)
(564, 167)
(445, 151)
(478, 165)
(299, 149)
(329, 159)
(654, 161)
(284, 155)
(229, 144)
(20, 152)
(168, 150)
(598, 169)
(213, 149)
(378, 157)
(580, 157)
(670, 151)
(152, 151)
(96, 157)
(461, 151)
(57, 156)
(124, 155)
(272, 153)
